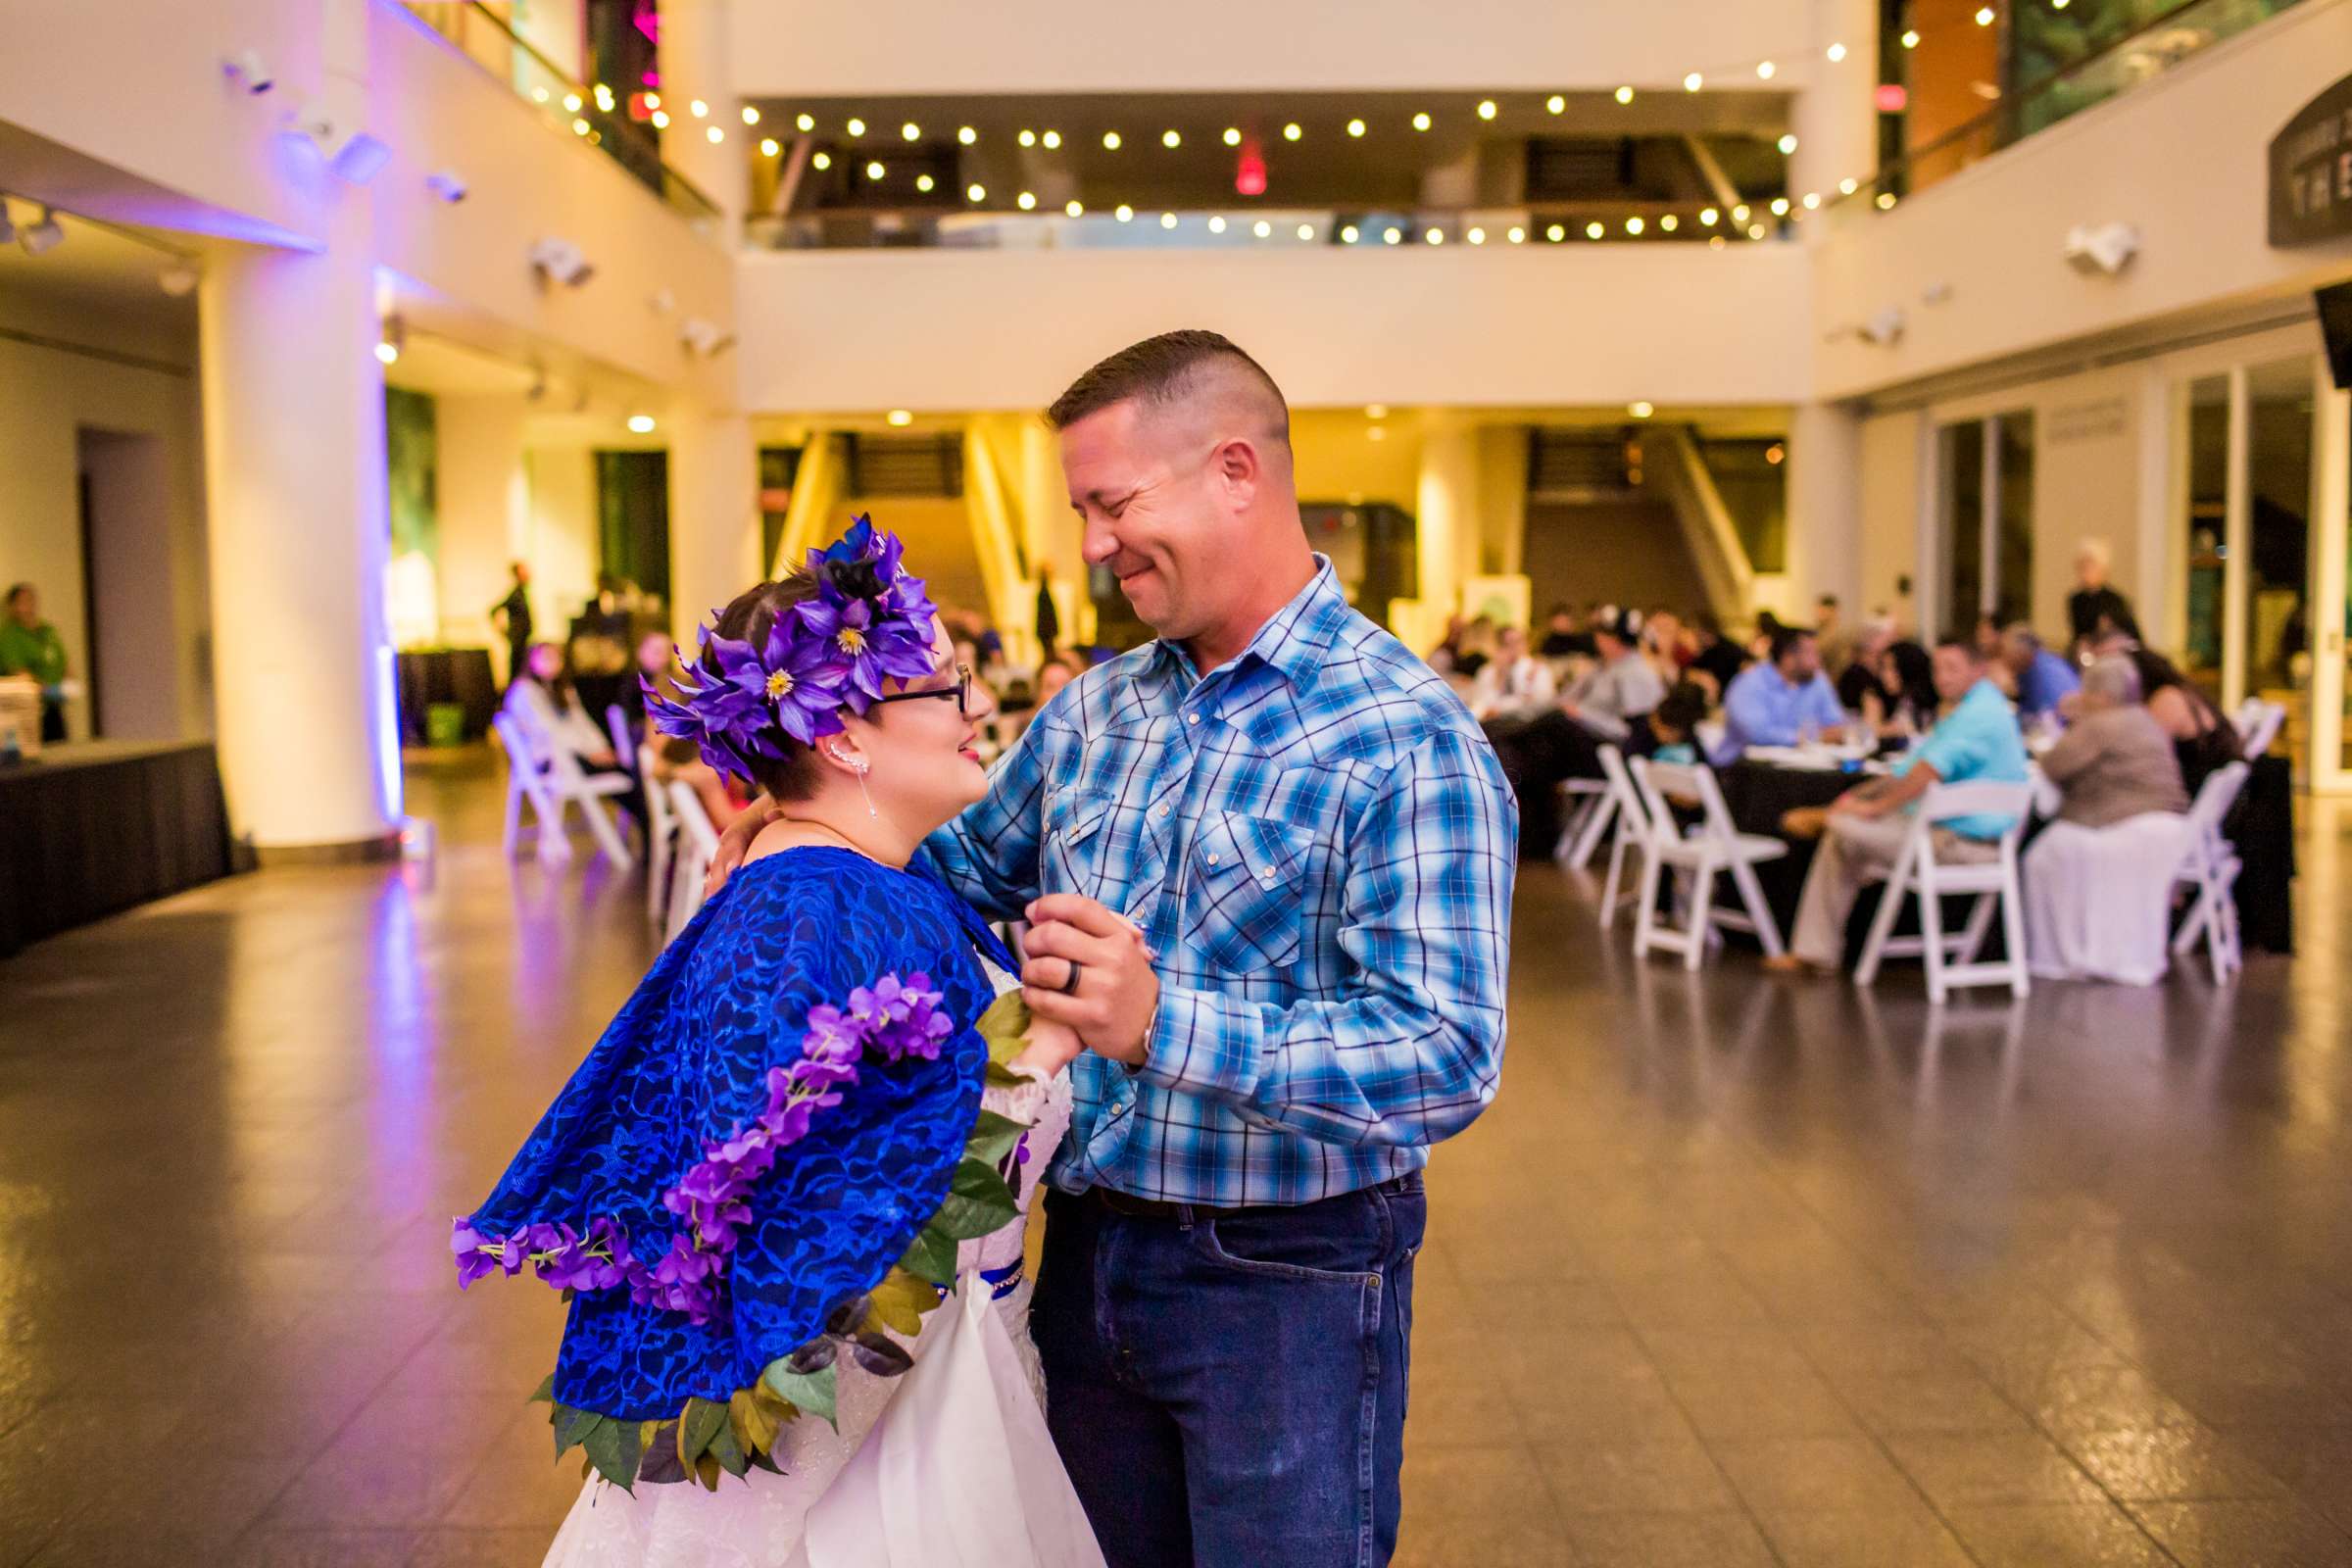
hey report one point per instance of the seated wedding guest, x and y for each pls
(1863, 830)
(1776, 703)
(2094, 609)
(1668, 732)
(1717, 658)
(1620, 688)
(2043, 679)
(1768, 625)
(546, 703)
(1564, 635)
(1863, 675)
(2203, 740)
(30, 646)
(1903, 700)
(2098, 879)
(1563, 742)
(1667, 644)
(1514, 684)
(2115, 761)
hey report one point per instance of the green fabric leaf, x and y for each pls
(977, 1202)
(1006, 1027)
(992, 1138)
(660, 1464)
(999, 1076)
(932, 1256)
(748, 1418)
(572, 1427)
(701, 1421)
(810, 1391)
(615, 1448)
(545, 1394)
(727, 1452)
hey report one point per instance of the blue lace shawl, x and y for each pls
(687, 1057)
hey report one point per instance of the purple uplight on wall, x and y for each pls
(648, 21)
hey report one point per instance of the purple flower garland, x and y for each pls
(893, 1019)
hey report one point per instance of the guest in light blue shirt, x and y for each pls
(2043, 678)
(1865, 828)
(1777, 702)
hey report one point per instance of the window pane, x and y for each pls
(2013, 561)
(2207, 523)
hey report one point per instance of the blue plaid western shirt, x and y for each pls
(1318, 844)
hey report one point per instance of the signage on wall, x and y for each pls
(2311, 171)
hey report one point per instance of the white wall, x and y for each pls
(484, 505)
(859, 330)
(1891, 528)
(528, 181)
(47, 397)
(909, 46)
(2184, 159)
(135, 675)
(137, 84)
(561, 548)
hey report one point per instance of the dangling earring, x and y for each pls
(861, 767)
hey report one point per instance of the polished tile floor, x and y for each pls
(1736, 1271)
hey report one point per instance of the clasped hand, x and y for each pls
(1117, 991)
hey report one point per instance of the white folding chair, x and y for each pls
(698, 845)
(552, 779)
(2258, 723)
(1951, 960)
(624, 739)
(1711, 849)
(2209, 870)
(1589, 807)
(1631, 834)
(661, 840)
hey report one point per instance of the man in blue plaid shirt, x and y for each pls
(1316, 845)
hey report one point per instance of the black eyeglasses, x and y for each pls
(962, 691)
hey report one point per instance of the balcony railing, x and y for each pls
(1243, 228)
(592, 111)
(2167, 40)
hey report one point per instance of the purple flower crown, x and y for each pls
(870, 620)
(891, 1020)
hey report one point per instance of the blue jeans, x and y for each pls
(1229, 1390)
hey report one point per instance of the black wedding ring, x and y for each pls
(1070, 987)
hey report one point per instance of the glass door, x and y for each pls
(1986, 473)
(2262, 538)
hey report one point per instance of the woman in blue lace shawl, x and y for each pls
(796, 1140)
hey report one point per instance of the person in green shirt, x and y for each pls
(30, 646)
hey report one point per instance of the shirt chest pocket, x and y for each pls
(1243, 904)
(1075, 846)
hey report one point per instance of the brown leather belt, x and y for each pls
(1131, 1206)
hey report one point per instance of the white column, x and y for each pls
(713, 514)
(1446, 518)
(485, 512)
(299, 535)
(1835, 123)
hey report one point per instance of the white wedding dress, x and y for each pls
(948, 1465)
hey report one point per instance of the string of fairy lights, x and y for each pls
(1720, 219)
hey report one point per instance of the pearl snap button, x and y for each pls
(1213, 857)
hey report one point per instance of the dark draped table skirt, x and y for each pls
(459, 675)
(93, 829)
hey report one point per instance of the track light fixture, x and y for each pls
(248, 69)
(561, 260)
(45, 235)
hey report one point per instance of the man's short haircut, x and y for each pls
(2023, 635)
(1163, 370)
(1784, 638)
(1964, 644)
